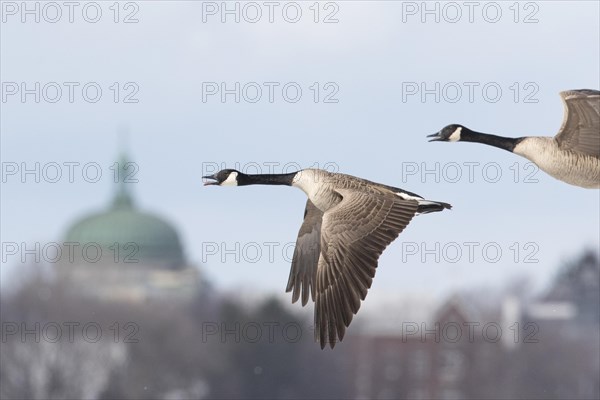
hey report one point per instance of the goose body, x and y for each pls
(321, 187)
(348, 223)
(566, 165)
(572, 156)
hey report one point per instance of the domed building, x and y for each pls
(125, 254)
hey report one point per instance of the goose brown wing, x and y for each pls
(580, 130)
(353, 235)
(306, 255)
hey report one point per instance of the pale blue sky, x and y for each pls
(370, 132)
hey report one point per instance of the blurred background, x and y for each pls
(123, 277)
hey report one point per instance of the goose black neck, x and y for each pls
(266, 179)
(501, 142)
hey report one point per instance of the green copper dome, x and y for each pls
(141, 237)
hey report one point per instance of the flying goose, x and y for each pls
(572, 156)
(348, 222)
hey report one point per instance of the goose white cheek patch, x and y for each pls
(231, 180)
(455, 137)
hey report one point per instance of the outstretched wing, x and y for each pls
(580, 130)
(306, 255)
(353, 236)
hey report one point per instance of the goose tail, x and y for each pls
(429, 206)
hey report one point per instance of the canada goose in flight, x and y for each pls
(348, 222)
(572, 156)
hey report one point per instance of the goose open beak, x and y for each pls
(209, 182)
(437, 137)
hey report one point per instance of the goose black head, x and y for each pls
(225, 177)
(450, 133)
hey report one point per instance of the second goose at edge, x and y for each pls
(572, 156)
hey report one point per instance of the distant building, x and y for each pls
(428, 360)
(548, 345)
(571, 306)
(567, 324)
(125, 254)
(577, 288)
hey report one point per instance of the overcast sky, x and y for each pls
(495, 67)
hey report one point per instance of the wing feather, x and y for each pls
(306, 256)
(580, 130)
(353, 236)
